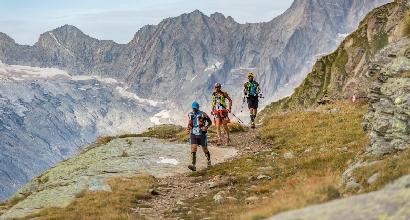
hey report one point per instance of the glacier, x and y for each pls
(47, 115)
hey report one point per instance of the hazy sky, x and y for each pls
(118, 20)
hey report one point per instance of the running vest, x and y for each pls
(196, 122)
(252, 88)
(218, 101)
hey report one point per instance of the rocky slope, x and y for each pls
(388, 125)
(388, 119)
(121, 157)
(47, 115)
(180, 58)
(392, 202)
(372, 63)
(345, 73)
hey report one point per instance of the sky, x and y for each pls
(118, 20)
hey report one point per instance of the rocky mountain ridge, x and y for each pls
(189, 53)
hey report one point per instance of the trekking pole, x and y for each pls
(237, 118)
(243, 102)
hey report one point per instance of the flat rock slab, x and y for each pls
(392, 202)
(125, 157)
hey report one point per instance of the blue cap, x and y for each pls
(195, 105)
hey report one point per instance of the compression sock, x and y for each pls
(208, 156)
(193, 158)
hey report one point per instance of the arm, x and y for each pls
(213, 104)
(208, 121)
(258, 89)
(230, 101)
(245, 89)
(190, 123)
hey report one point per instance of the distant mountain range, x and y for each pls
(181, 58)
(47, 114)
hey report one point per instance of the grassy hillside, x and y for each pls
(341, 74)
(303, 166)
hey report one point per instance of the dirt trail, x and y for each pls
(174, 189)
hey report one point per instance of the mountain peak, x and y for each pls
(5, 37)
(63, 34)
(196, 12)
(69, 29)
(218, 16)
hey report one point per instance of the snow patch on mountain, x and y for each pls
(214, 67)
(123, 91)
(163, 117)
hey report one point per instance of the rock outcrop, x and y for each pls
(392, 202)
(388, 119)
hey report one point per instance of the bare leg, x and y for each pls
(218, 131)
(194, 147)
(225, 124)
(253, 116)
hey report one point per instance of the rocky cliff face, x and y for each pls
(348, 71)
(388, 119)
(181, 58)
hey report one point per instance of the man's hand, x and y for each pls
(204, 129)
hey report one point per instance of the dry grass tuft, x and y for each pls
(162, 131)
(389, 169)
(105, 205)
(104, 140)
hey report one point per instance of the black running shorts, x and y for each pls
(253, 102)
(199, 140)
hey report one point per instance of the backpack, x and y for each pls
(219, 99)
(252, 88)
(196, 122)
